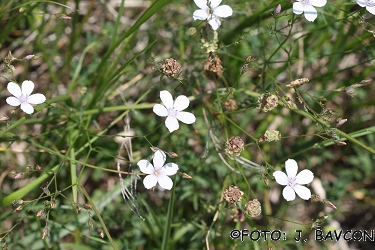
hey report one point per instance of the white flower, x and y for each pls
(370, 5)
(212, 12)
(23, 97)
(158, 173)
(293, 182)
(173, 110)
(307, 7)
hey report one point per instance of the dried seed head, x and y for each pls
(171, 67)
(234, 146)
(230, 104)
(271, 135)
(297, 83)
(268, 102)
(213, 64)
(233, 195)
(253, 208)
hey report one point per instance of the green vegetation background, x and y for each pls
(96, 70)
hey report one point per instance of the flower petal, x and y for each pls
(166, 98)
(215, 3)
(186, 117)
(13, 101)
(215, 23)
(281, 178)
(159, 159)
(165, 182)
(14, 89)
(160, 110)
(36, 99)
(171, 123)
(150, 181)
(27, 87)
(302, 192)
(310, 13)
(289, 193)
(27, 108)
(298, 8)
(305, 177)
(146, 167)
(181, 102)
(361, 3)
(170, 168)
(291, 167)
(200, 15)
(223, 11)
(202, 4)
(371, 9)
(318, 3)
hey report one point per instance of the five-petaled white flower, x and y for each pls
(173, 110)
(293, 182)
(307, 7)
(370, 5)
(23, 97)
(158, 173)
(210, 10)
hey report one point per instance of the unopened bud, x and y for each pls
(341, 122)
(87, 206)
(172, 154)
(4, 118)
(278, 9)
(329, 204)
(266, 181)
(186, 176)
(40, 213)
(18, 176)
(341, 143)
(28, 57)
(101, 233)
(45, 233)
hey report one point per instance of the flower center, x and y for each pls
(292, 182)
(156, 173)
(304, 2)
(23, 98)
(369, 3)
(172, 112)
